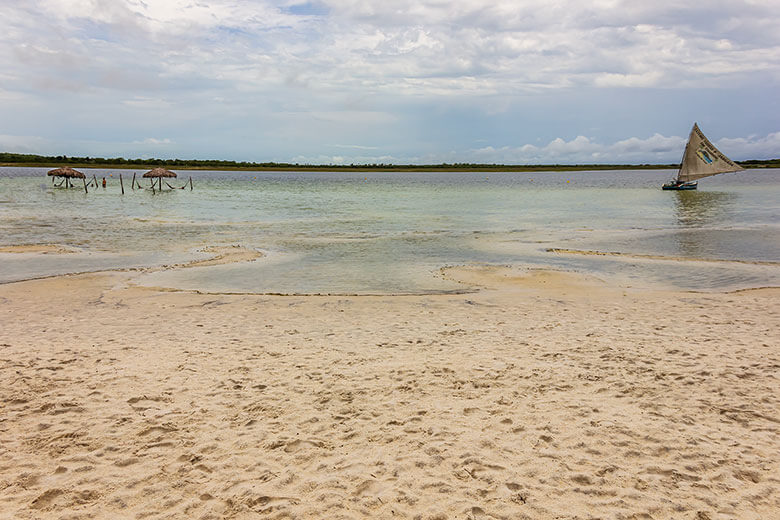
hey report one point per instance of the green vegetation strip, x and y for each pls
(31, 160)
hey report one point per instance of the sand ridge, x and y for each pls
(37, 248)
(590, 252)
(220, 255)
(542, 396)
(224, 255)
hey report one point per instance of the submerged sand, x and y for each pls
(543, 395)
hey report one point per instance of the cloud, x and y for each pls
(154, 142)
(23, 144)
(656, 149)
(419, 47)
(293, 73)
(582, 150)
(357, 159)
(142, 102)
(355, 146)
(753, 147)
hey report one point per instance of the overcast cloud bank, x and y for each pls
(352, 80)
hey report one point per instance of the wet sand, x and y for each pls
(542, 395)
(36, 248)
(657, 257)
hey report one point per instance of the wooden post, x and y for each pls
(152, 182)
(132, 184)
(85, 184)
(190, 182)
(121, 184)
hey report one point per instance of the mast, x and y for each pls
(685, 154)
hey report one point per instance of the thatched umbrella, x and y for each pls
(159, 173)
(66, 172)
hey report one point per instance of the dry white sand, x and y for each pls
(544, 395)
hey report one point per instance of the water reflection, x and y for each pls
(696, 212)
(695, 209)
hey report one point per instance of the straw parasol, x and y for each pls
(159, 172)
(66, 171)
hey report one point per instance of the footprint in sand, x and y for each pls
(161, 428)
(47, 499)
(298, 444)
(123, 463)
(367, 487)
(56, 499)
(155, 399)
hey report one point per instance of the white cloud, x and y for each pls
(581, 149)
(753, 147)
(330, 70)
(141, 102)
(357, 159)
(154, 141)
(656, 149)
(23, 144)
(408, 44)
(355, 146)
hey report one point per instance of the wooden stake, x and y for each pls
(85, 184)
(190, 183)
(121, 184)
(132, 184)
(152, 181)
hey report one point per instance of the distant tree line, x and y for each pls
(16, 159)
(755, 163)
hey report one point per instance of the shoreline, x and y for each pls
(227, 254)
(591, 252)
(361, 169)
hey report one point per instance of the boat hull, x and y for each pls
(679, 186)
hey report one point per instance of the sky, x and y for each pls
(389, 81)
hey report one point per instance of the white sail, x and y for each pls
(702, 159)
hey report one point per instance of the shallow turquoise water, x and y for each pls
(391, 232)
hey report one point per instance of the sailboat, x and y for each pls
(700, 159)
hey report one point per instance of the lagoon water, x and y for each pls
(390, 233)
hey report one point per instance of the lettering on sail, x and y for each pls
(707, 152)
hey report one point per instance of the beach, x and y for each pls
(350, 260)
(537, 393)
